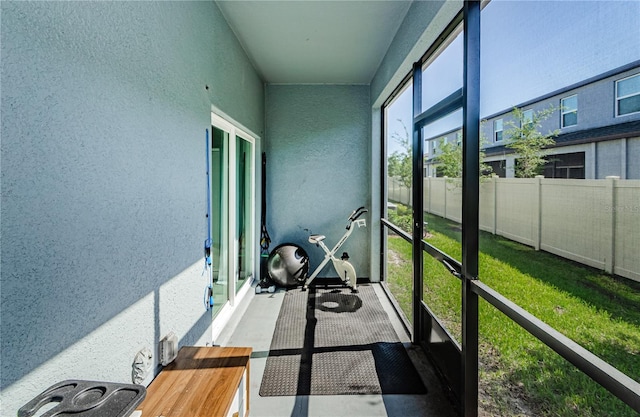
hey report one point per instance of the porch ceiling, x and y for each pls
(315, 42)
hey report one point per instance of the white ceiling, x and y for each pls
(315, 42)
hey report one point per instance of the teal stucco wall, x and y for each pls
(104, 111)
(318, 167)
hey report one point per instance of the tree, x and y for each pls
(399, 164)
(528, 143)
(449, 159)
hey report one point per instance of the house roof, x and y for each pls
(598, 134)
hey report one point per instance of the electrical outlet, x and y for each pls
(168, 348)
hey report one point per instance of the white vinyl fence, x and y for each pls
(594, 222)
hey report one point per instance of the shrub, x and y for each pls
(402, 217)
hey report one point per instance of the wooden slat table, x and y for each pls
(201, 381)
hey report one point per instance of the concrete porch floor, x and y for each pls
(254, 325)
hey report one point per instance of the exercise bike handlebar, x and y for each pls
(355, 214)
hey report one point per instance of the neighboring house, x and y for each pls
(598, 123)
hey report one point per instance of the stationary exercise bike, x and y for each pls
(343, 267)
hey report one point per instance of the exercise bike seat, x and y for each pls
(316, 238)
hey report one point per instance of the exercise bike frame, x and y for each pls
(343, 267)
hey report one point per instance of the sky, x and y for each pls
(528, 49)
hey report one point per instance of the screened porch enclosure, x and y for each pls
(118, 209)
(443, 312)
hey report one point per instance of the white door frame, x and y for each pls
(222, 121)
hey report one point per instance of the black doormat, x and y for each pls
(332, 342)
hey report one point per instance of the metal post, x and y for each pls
(418, 226)
(384, 195)
(470, 202)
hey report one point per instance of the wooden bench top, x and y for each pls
(201, 381)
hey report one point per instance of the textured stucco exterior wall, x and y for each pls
(104, 110)
(318, 147)
(377, 246)
(610, 159)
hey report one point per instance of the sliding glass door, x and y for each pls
(219, 217)
(232, 211)
(244, 211)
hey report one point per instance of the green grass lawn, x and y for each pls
(519, 374)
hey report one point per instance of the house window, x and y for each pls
(527, 117)
(569, 111)
(458, 138)
(628, 95)
(497, 130)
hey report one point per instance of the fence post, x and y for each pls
(609, 262)
(391, 186)
(429, 194)
(445, 196)
(494, 178)
(390, 194)
(392, 180)
(537, 229)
